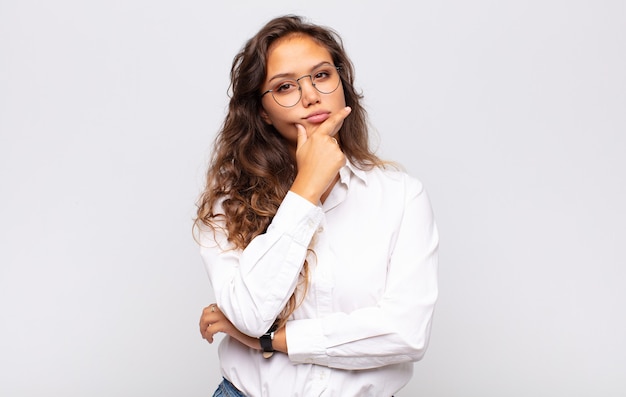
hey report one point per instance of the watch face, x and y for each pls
(266, 343)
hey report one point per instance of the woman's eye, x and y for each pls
(321, 75)
(285, 87)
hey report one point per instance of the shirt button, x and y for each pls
(320, 229)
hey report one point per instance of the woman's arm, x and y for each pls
(397, 327)
(213, 321)
(252, 286)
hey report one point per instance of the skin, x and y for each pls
(310, 128)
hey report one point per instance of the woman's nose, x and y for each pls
(310, 94)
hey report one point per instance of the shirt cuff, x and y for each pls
(306, 342)
(295, 208)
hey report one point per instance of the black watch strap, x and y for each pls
(266, 341)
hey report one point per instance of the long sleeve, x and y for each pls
(394, 325)
(252, 286)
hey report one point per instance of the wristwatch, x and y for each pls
(266, 341)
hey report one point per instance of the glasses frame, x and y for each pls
(300, 87)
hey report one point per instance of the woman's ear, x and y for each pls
(265, 117)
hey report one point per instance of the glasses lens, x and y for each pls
(325, 79)
(286, 93)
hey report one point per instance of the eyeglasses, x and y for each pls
(287, 93)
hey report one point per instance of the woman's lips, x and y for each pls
(317, 118)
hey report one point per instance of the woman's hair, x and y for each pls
(252, 168)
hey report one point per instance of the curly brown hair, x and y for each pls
(252, 168)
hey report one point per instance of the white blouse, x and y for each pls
(366, 316)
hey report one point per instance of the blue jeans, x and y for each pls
(226, 389)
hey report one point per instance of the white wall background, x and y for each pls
(512, 113)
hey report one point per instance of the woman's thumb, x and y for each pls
(302, 137)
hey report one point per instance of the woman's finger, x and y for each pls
(209, 333)
(331, 125)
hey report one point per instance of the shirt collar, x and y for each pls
(346, 172)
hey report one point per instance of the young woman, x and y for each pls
(322, 257)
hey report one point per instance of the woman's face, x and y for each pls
(290, 58)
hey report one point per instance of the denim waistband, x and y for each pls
(226, 389)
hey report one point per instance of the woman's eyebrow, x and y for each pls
(282, 75)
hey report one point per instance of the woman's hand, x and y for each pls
(213, 321)
(319, 157)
